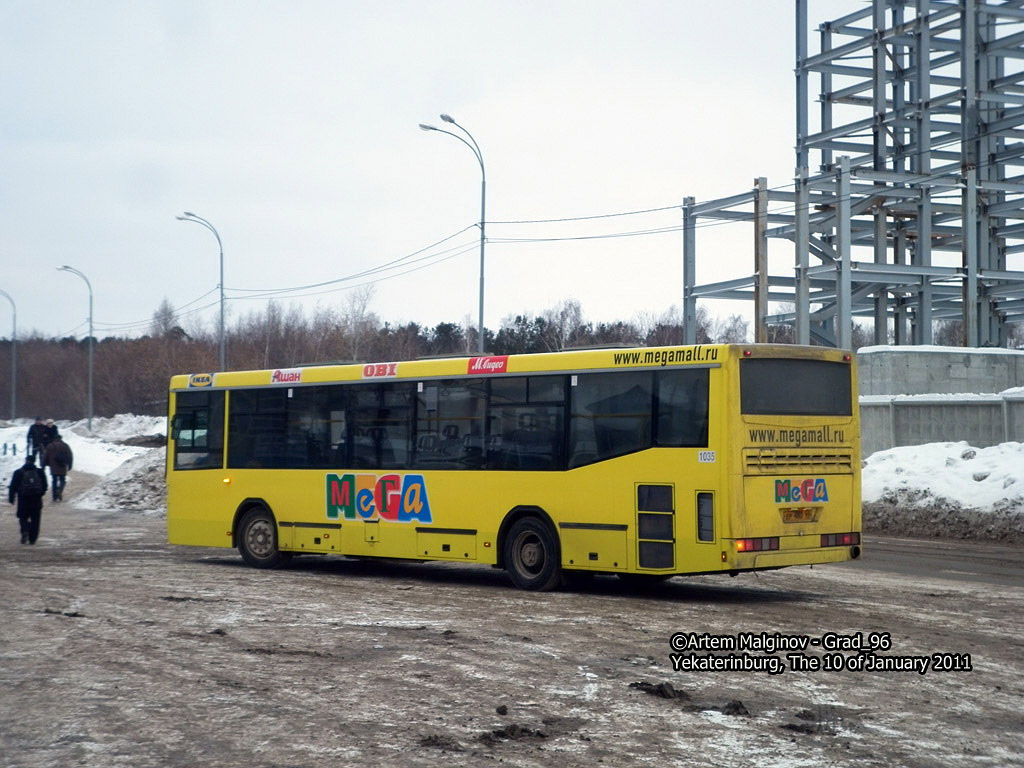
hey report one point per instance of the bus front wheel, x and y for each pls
(257, 540)
(531, 556)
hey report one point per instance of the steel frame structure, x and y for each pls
(917, 154)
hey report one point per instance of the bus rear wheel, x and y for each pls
(531, 556)
(257, 540)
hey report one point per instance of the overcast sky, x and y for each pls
(292, 127)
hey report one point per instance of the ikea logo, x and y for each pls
(200, 380)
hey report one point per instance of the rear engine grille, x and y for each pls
(760, 462)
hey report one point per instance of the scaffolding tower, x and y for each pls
(913, 163)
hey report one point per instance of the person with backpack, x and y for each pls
(28, 484)
(58, 458)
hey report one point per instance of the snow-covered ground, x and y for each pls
(130, 476)
(898, 481)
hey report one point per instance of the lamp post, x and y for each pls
(14, 354)
(88, 285)
(475, 149)
(222, 353)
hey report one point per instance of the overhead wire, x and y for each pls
(372, 270)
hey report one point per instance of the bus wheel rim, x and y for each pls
(529, 554)
(260, 538)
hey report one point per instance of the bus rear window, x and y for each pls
(779, 387)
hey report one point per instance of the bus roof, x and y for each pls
(607, 359)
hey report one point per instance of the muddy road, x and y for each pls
(118, 650)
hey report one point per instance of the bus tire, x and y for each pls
(257, 540)
(531, 556)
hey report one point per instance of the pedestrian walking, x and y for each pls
(37, 439)
(49, 433)
(58, 457)
(28, 485)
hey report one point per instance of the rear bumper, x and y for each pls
(785, 557)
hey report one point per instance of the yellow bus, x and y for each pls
(647, 462)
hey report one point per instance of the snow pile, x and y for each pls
(137, 485)
(96, 453)
(118, 428)
(952, 473)
(950, 490)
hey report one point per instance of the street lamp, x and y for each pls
(88, 285)
(475, 148)
(14, 354)
(187, 216)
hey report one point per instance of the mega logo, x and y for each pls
(380, 370)
(200, 380)
(398, 498)
(286, 376)
(494, 364)
(811, 489)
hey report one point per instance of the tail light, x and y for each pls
(757, 545)
(839, 539)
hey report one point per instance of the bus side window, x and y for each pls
(198, 430)
(450, 424)
(379, 418)
(611, 416)
(526, 423)
(256, 428)
(682, 408)
(308, 435)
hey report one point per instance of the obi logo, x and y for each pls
(399, 498)
(811, 489)
(380, 370)
(495, 364)
(286, 376)
(200, 380)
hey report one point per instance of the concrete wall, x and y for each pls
(981, 420)
(908, 396)
(938, 370)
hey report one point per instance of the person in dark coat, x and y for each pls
(36, 439)
(58, 458)
(48, 435)
(28, 485)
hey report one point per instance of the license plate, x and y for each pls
(799, 515)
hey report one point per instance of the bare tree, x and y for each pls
(1015, 335)
(564, 326)
(359, 322)
(949, 333)
(733, 330)
(164, 320)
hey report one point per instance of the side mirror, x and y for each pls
(183, 422)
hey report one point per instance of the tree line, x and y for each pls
(130, 375)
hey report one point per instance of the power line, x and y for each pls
(589, 218)
(379, 268)
(451, 254)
